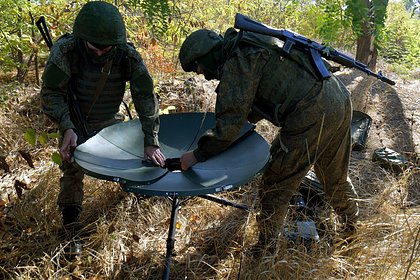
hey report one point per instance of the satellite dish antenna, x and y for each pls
(116, 154)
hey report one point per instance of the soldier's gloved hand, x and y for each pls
(154, 154)
(68, 145)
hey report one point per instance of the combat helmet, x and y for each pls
(197, 44)
(100, 23)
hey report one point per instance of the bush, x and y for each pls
(401, 44)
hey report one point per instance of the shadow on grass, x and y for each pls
(393, 121)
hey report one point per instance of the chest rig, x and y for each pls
(99, 88)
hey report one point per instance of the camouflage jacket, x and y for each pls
(61, 70)
(258, 80)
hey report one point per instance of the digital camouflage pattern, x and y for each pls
(57, 79)
(314, 116)
(71, 66)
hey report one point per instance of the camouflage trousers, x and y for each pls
(71, 183)
(316, 134)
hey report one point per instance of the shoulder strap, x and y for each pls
(106, 70)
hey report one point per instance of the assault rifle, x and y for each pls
(300, 42)
(72, 98)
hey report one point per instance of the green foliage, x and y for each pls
(359, 14)
(334, 24)
(20, 39)
(15, 34)
(160, 26)
(379, 12)
(401, 45)
(43, 138)
(367, 14)
(30, 136)
(157, 13)
(56, 158)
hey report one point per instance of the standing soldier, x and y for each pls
(83, 86)
(258, 80)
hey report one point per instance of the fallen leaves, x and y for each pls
(19, 187)
(27, 156)
(3, 164)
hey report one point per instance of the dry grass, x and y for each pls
(125, 237)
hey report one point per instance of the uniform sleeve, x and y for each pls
(235, 94)
(55, 81)
(145, 102)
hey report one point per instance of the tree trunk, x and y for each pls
(36, 51)
(367, 54)
(366, 50)
(20, 71)
(20, 76)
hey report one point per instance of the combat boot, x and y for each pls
(70, 215)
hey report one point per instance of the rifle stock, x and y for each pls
(71, 96)
(316, 50)
(43, 29)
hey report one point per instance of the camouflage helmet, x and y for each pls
(101, 23)
(196, 45)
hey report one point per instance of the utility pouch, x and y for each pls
(390, 160)
(360, 126)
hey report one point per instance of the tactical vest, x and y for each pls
(84, 82)
(85, 74)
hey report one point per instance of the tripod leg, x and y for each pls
(170, 243)
(224, 201)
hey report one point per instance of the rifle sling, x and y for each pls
(106, 70)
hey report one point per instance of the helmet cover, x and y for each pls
(100, 23)
(196, 45)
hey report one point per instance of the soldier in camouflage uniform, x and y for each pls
(74, 67)
(259, 81)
